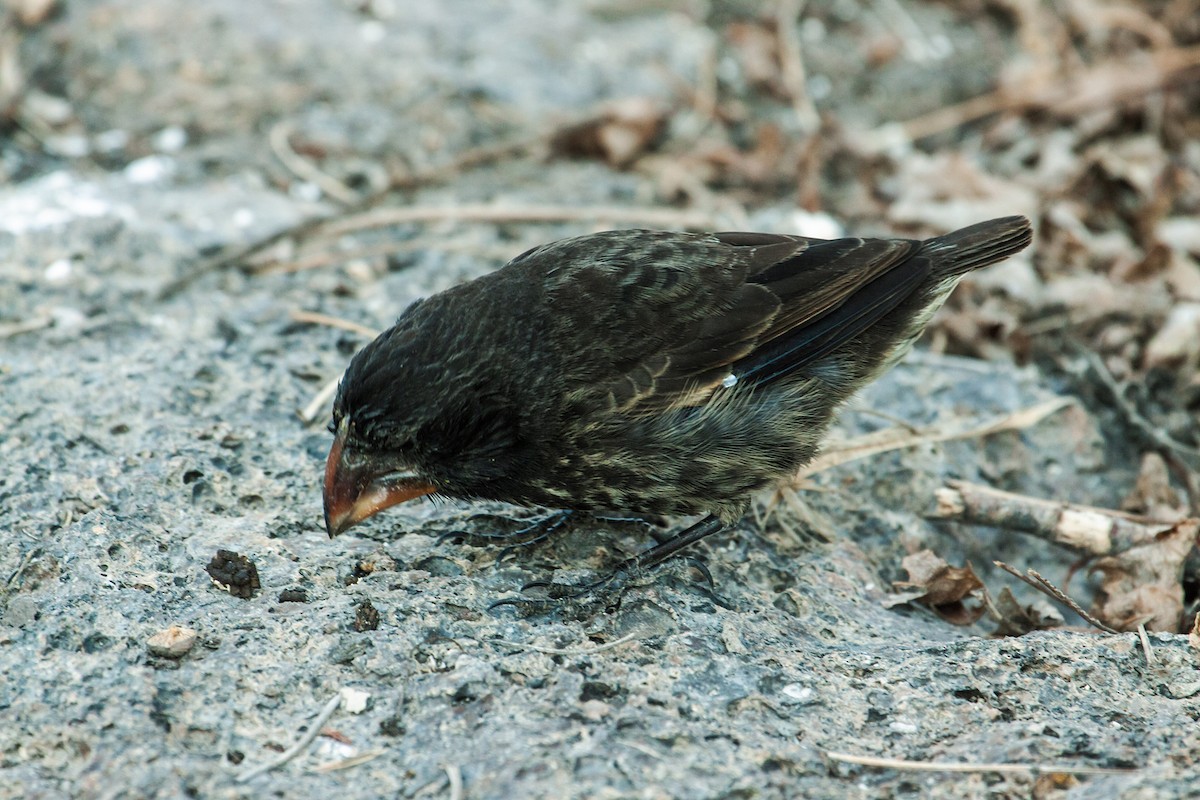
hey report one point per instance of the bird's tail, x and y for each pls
(977, 245)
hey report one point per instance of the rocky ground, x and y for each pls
(162, 360)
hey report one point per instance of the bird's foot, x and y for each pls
(574, 599)
(607, 593)
(532, 530)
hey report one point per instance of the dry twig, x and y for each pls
(317, 318)
(1087, 530)
(323, 396)
(1146, 648)
(347, 763)
(454, 775)
(946, 766)
(313, 731)
(1037, 581)
(898, 438)
(237, 253)
(1103, 86)
(501, 213)
(793, 74)
(305, 169)
(1134, 417)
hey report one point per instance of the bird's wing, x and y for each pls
(657, 320)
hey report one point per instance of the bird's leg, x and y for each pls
(612, 586)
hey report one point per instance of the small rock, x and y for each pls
(174, 642)
(354, 700)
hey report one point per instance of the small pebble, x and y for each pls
(174, 642)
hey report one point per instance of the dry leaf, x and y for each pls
(1152, 495)
(942, 586)
(1018, 620)
(619, 134)
(1177, 342)
(1144, 582)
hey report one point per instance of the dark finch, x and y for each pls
(644, 371)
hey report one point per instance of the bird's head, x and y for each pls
(410, 420)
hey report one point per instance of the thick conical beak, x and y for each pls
(358, 486)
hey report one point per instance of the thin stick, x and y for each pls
(1044, 586)
(947, 766)
(317, 318)
(500, 213)
(347, 763)
(237, 253)
(791, 64)
(1102, 86)
(305, 740)
(1088, 530)
(454, 775)
(317, 404)
(305, 169)
(1156, 434)
(10, 329)
(1146, 648)
(892, 439)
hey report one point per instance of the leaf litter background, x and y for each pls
(166, 330)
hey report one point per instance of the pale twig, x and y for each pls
(1034, 579)
(893, 439)
(501, 213)
(1088, 530)
(314, 407)
(347, 763)
(791, 64)
(10, 329)
(328, 257)
(237, 253)
(1146, 648)
(305, 169)
(1102, 86)
(454, 775)
(948, 766)
(317, 318)
(313, 731)
(326, 392)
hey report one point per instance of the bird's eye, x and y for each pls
(331, 427)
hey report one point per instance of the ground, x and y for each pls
(161, 364)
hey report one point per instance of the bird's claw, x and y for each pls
(535, 530)
(571, 597)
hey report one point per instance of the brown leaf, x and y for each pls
(619, 134)
(943, 587)
(1144, 583)
(1018, 620)
(1153, 496)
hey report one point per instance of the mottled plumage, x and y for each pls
(639, 371)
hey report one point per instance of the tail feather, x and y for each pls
(978, 245)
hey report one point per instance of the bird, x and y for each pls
(652, 372)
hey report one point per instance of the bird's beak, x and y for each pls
(360, 485)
